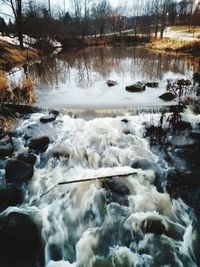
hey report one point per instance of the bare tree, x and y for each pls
(16, 7)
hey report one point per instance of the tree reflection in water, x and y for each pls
(84, 68)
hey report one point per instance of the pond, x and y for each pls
(77, 77)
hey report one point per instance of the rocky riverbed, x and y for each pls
(149, 218)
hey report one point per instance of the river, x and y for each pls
(139, 219)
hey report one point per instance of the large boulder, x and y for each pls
(18, 171)
(39, 144)
(19, 236)
(137, 87)
(27, 157)
(10, 196)
(168, 96)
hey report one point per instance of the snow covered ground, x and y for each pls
(181, 35)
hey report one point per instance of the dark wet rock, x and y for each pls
(137, 87)
(18, 171)
(116, 192)
(198, 91)
(184, 82)
(55, 252)
(47, 118)
(54, 112)
(10, 196)
(168, 96)
(154, 226)
(152, 84)
(39, 144)
(6, 150)
(125, 120)
(196, 77)
(19, 236)
(126, 131)
(61, 153)
(6, 147)
(183, 126)
(111, 83)
(27, 157)
(117, 187)
(195, 135)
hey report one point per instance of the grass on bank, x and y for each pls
(20, 93)
(186, 28)
(12, 56)
(175, 45)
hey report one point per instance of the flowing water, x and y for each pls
(125, 221)
(129, 221)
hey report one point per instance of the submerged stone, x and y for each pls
(47, 118)
(111, 83)
(137, 87)
(18, 171)
(184, 82)
(167, 96)
(152, 84)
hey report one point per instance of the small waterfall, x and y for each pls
(125, 221)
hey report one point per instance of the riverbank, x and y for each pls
(178, 39)
(13, 56)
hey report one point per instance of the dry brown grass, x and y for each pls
(12, 56)
(174, 45)
(21, 93)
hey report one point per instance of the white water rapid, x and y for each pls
(124, 222)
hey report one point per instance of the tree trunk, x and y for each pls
(19, 23)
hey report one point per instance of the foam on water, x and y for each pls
(85, 224)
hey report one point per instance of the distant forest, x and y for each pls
(87, 18)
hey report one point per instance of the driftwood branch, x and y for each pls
(87, 180)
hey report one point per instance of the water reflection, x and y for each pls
(83, 73)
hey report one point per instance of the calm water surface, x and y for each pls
(77, 78)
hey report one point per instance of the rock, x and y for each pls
(27, 157)
(10, 196)
(54, 112)
(137, 87)
(19, 236)
(167, 96)
(125, 120)
(6, 147)
(196, 77)
(184, 82)
(47, 118)
(6, 150)
(195, 135)
(183, 126)
(152, 84)
(39, 144)
(18, 171)
(111, 83)
(116, 187)
(154, 226)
